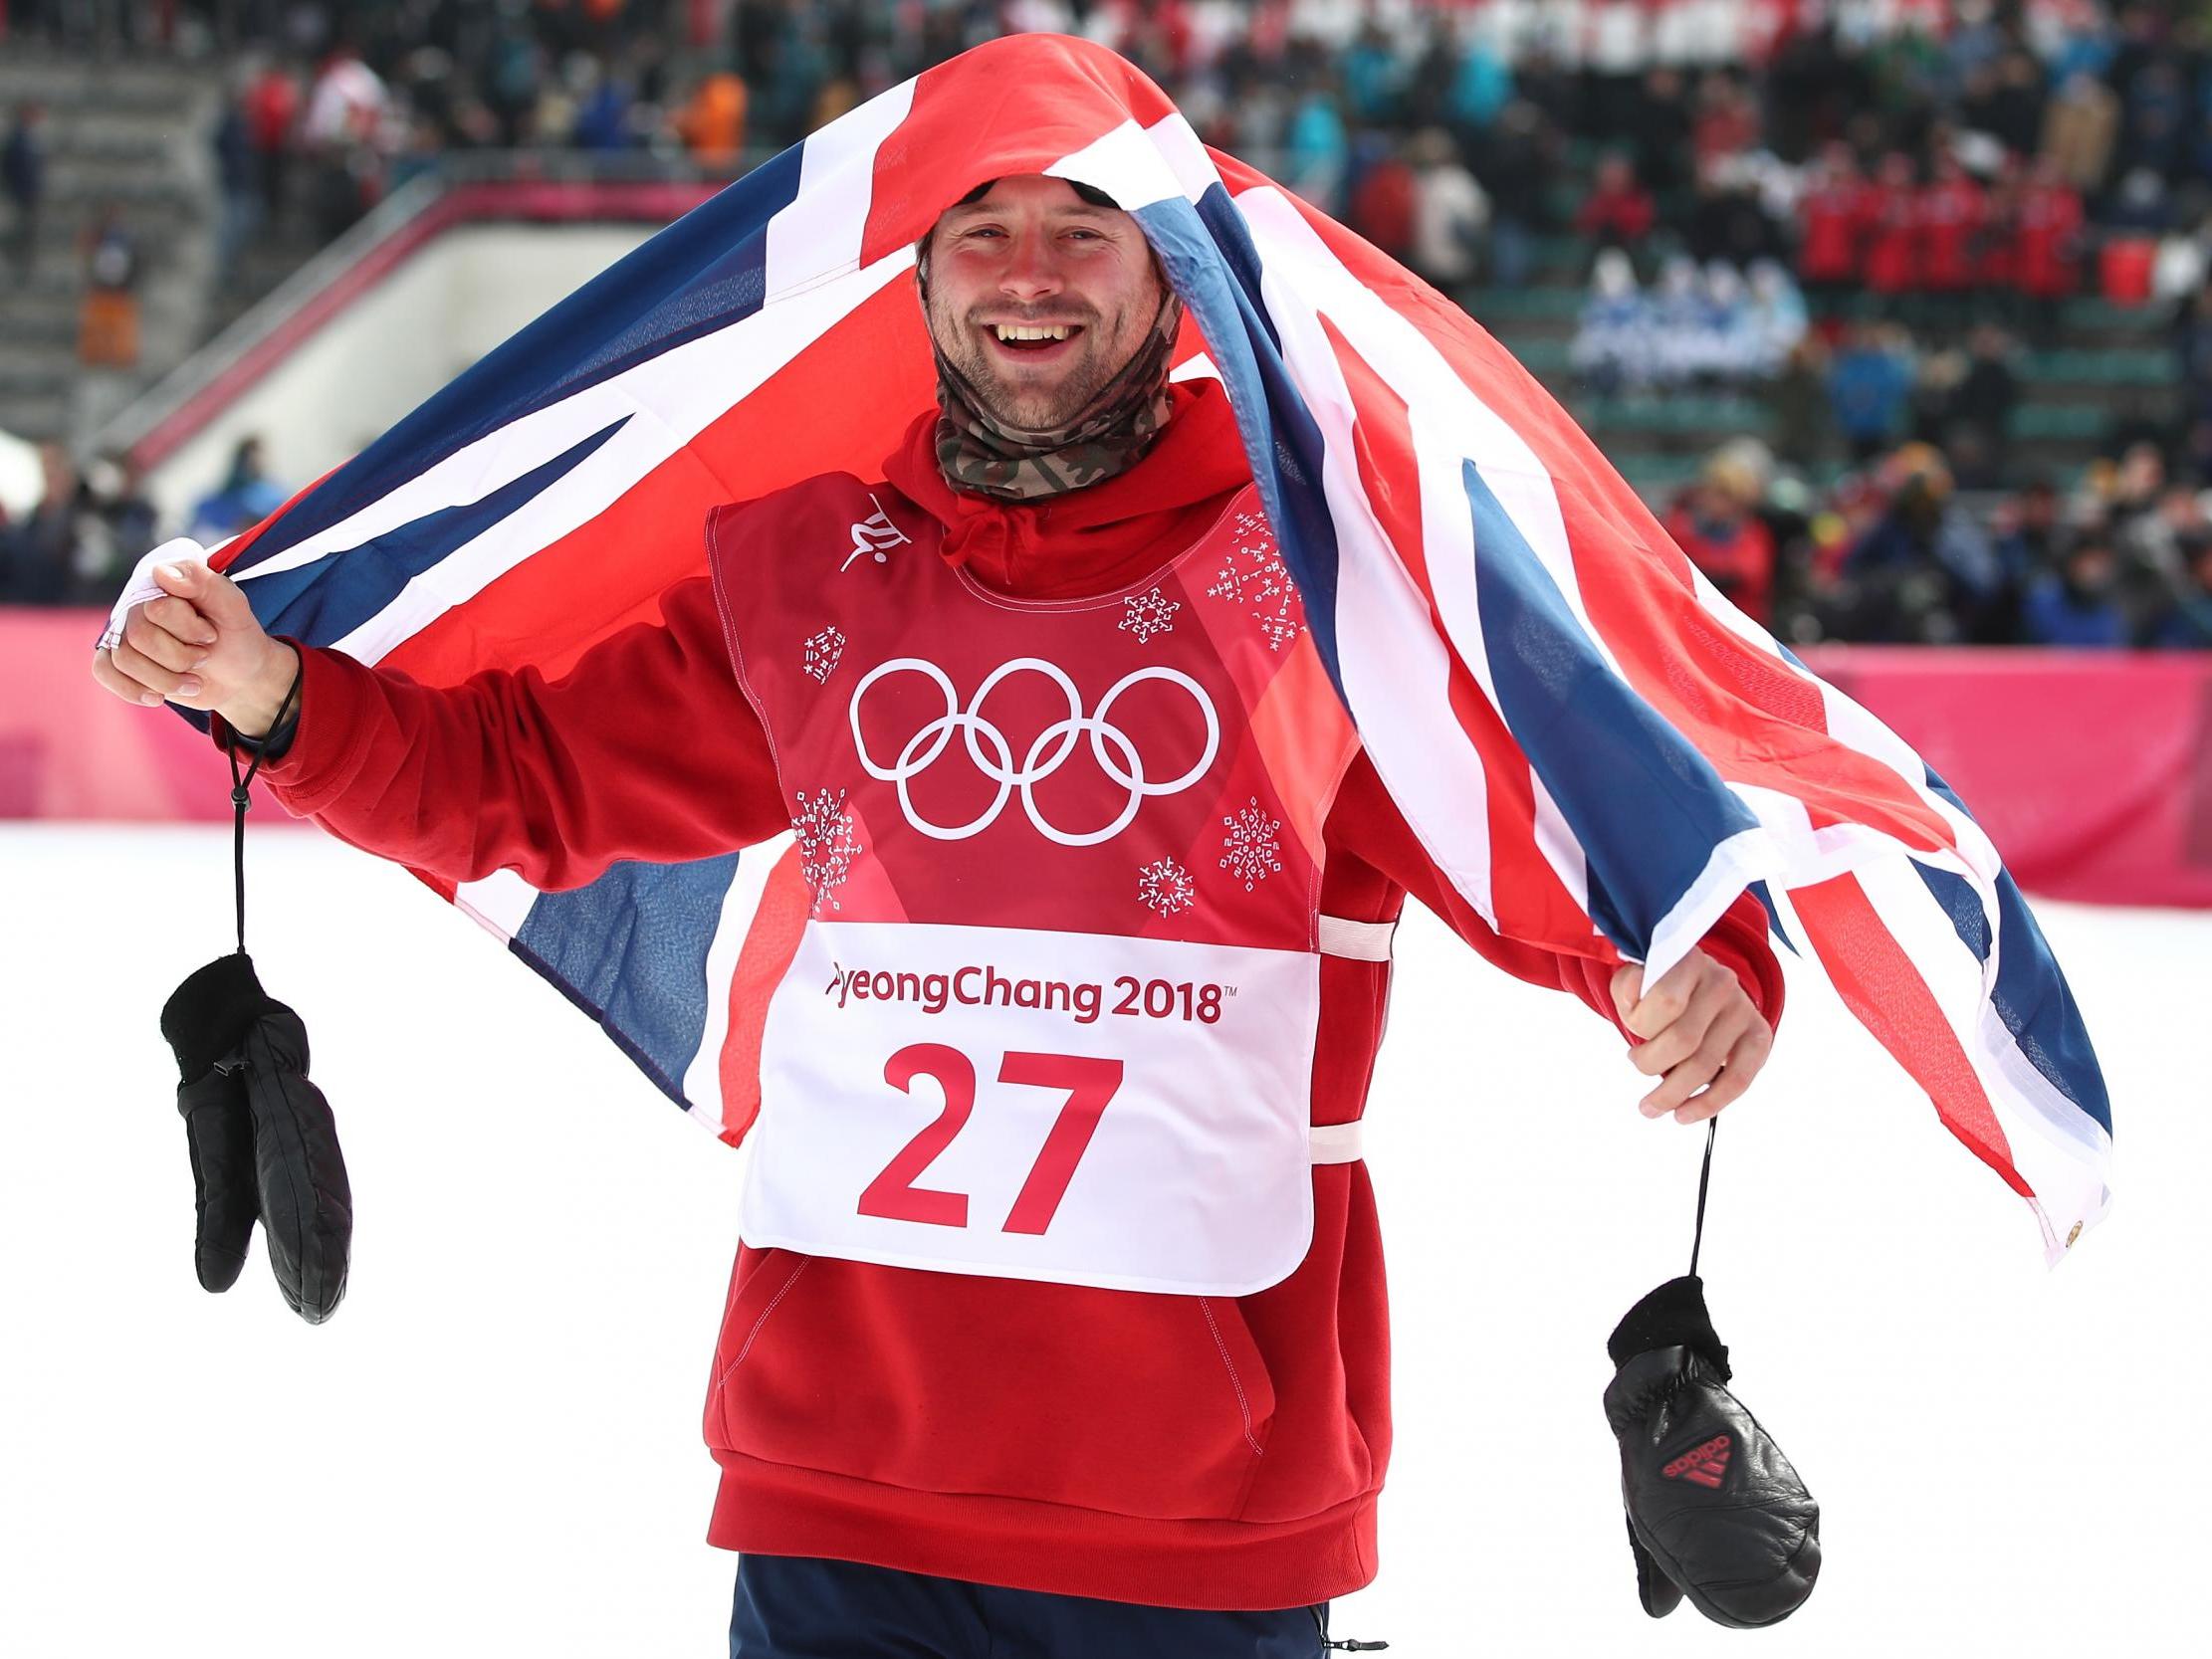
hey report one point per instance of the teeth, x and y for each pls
(1025, 331)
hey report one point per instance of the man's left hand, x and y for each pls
(1700, 1031)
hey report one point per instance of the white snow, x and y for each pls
(493, 1447)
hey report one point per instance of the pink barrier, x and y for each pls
(68, 749)
(2091, 773)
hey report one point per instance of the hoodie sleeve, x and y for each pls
(1365, 822)
(646, 750)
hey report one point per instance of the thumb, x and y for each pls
(1627, 989)
(211, 593)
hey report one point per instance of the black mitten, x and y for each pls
(1715, 1512)
(262, 1139)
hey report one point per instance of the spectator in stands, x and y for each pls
(23, 178)
(1515, 162)
(1968, 412)
(1892, 268)
(1458, 85)
(238, 183)
(2076, 604)
(2027, 536)
(1381, 205)
(2155, 118)
(1774, 318)
(2078, 132)
(1618, 211)
(1727, 220)
(1679, 348)
(1451, 210)
(107, 323)
(1947, 215)
(1726, 123)
(712, 123)
(1925, 572)
(1834, 216)
(1659, 130)
(1803, 420)
(2011, 104)
(1373, 75)
(2186, 624)
(244, 499)
(1730, 344)
(272, 108)
(1317, 147)
(36, 551)
(1611, 352)
(2047, 247)
(1714, 524)
(1869, 384)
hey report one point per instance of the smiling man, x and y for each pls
(1058, 1324)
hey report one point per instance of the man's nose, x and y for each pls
(1031, 271)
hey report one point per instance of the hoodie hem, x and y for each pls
(772, 1509)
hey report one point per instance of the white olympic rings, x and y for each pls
(922, 749)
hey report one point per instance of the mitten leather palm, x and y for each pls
(1715, 1512)
(263, 1142)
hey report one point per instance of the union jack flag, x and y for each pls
(1595, 747)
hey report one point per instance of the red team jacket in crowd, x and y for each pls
(1118, 1444)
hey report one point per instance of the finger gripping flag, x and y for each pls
(1594, 748)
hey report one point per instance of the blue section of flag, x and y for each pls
(326, 598)
(1760, 892)
(705, 272)
(2031, 997)
(1644, 806)
(630, 949)
(1210, 260)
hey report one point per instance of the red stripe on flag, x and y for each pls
(770, 941)
(1880, 986)
(1531, 901)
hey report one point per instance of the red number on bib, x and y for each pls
(1090, 1083)
(893, 1194)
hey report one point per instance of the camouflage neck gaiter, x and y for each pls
(978, 452)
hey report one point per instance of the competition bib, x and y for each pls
(1122, 1112)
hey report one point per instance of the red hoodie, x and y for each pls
(1172, 1450)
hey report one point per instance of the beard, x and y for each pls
(1029, 402)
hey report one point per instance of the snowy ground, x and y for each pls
(494, 1448)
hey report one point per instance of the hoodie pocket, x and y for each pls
(1139, 1404)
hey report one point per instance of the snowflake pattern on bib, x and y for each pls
(1255, 580)
(1149, 614)
(1252, 849)
(826, 847)
(821, 653)
(1165, 886)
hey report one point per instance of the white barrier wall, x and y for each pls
(441, 309)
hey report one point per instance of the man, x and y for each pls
(23, 176)
(1139, 1406)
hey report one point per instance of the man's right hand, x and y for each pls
(200, 647)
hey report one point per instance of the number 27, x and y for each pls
(1090, 1083)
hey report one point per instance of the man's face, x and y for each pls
(1031, 255)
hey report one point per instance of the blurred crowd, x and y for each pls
(78, 531)
(1894, 553)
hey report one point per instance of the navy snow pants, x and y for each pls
(799, 1607)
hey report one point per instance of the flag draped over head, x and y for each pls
(1596, 750)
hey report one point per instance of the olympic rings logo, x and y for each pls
(1112, 747)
